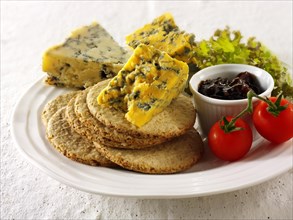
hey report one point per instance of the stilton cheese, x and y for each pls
(147, 84)
(88, 56)
(164, 35)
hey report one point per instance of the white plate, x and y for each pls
(209, 176)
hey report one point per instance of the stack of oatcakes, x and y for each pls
(91, 134)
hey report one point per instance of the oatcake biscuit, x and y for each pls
(174, 121)
(81, 129)
(71, 144)
(71, 116)
(93, 129)
(174, 156)
(55, 104)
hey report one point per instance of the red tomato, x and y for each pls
(276, 129)
(233, 145)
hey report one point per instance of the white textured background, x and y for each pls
(28, 28)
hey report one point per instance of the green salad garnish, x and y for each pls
(225, 46)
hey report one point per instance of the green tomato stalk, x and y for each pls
(273, 108)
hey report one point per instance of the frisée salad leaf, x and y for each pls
(226, 46)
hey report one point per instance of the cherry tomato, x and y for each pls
(276, 129)
(233, 145)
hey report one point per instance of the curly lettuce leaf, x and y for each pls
(227, 47)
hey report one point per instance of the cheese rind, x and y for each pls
(147, 84)
(164, 35)
(88, 56)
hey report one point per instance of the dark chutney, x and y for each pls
(230, 89)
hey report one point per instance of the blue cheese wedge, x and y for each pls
(165, 35)
(146, 85)
(88, 56)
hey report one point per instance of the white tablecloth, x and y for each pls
(28, 28)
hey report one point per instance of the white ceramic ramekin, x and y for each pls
(210, 110)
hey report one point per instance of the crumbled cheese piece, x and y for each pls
(146, 85)
(164, 35)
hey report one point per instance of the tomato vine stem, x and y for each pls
(273, 108)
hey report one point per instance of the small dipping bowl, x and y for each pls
(210, 110)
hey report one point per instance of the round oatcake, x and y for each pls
(71, 144)
(90, 133)
(55, 104)
(174, 121)
(70, 115)
(97, 131)
(173, 156)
